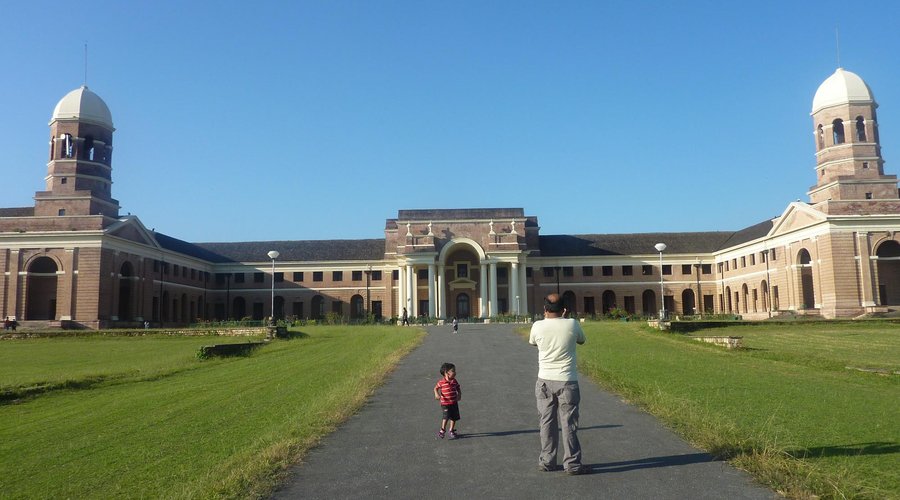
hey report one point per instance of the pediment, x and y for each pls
(462, 284)
(131, 229)
(797, 216)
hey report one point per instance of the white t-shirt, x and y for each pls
(555, 339)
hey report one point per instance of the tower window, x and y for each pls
(62, 211)
(868, 196)
(88, 151)
(860, 129)
(865, 164)
(68, 146)
(63, 180)
(837, 130)
(820, 136)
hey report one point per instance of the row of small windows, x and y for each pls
(626, 270)
(837, 132)
(297, 276)
(176, 271)
(733, 264)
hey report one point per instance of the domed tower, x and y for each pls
(849, 169)
(79, 174)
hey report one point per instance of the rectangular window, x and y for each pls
(667, 269)
(734, 263)
(298, 276)
(568, 271)
(548, 272)
(193, 274)
(627, 271)
(238, 277)
(355, 275)
(743, 261)
(501, 273)
(706, 268)
(587, 271)
(865, 165)
(686, 269)
(220, 278)
(318, 276)
(868, 196)
(279, 277)
(752, 259)
(175, 270)
(184, 272)
(423, 274)
(773, 255)
(646, 270)
(61, 212)
(462, 270)
(259, 277)
(726, 265)
(529, 272)
(337, 276)
(606, 270)
(395, 274)
(376, 275)
(719, 266)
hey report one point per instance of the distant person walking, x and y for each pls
(455, 325)
(405, 318)
(556, 389)
(447, 391)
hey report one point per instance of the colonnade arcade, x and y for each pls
(462, 281)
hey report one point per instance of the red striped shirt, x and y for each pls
(449, 391)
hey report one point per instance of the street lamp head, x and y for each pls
(660, 247)
(273, 254)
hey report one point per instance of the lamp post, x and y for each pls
(660, 247)
(273, 254)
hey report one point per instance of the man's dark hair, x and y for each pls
(447, 367)
(554, 307)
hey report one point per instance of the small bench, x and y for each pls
(727, 342)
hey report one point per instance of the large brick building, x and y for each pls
(72, 258)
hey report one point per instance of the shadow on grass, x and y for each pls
(875, 448)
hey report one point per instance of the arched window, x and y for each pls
(860, 129)
(837, 130)
(88, 148)
(357, 309)
(820, 136)
(68, 146)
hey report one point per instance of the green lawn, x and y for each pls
(785, 407)
(220, 427)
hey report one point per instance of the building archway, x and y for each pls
(42, 283)
(648, 302)
(317, 307)
(126, 288)
(357, 307)
(764, 286)
(888, 254)
(728, 308)
(687, 302)
(807, 292)
(463, 309)
(745, 295)
(609, 301)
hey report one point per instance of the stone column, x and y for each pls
(867, 286)
(413, 298)
(493, 300)
(482, 288)
(401, 291)
(66, 283)
(13, 287)
(442, 292)
(514, 295)
(523, 290)
(431, 290)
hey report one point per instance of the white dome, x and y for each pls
(841, 88)
(83, 105)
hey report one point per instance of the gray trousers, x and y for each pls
(557, 404)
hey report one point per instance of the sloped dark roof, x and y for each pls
(643, 243)
(17, 212)
(748, 234)
(297, 251)
(183, 247)
(460, 213)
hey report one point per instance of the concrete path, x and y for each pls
(390, 448)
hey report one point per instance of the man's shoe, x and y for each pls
(546, 468)
(577, 472)
(453, 434)
(441, 433)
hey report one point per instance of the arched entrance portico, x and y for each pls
(42, 283)
(888, 254)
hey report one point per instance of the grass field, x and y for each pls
(785, 408)
(143, 417)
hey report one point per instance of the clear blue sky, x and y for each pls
(242, 121)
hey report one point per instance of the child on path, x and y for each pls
(455, 325)
(447, 391)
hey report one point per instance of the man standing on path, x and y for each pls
(556, 389)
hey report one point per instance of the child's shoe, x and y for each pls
(453, 434)
(441, 434)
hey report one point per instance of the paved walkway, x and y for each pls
(390, 448)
